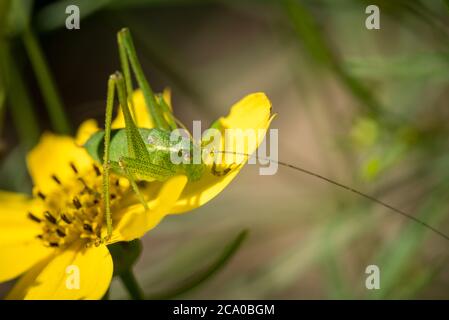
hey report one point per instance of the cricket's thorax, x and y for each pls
(162, 151)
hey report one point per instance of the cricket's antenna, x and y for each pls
(348, 188)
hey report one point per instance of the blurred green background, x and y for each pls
(365, 107)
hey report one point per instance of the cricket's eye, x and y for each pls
(180, 153)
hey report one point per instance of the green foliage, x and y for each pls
(198, 279)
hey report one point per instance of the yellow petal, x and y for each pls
(19, 257)
(52, 156)
(134, 221)
(85, 131)
(19, 247)
(141, 114)
(56, 277)
(252, 112)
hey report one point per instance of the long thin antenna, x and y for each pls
(348, 188)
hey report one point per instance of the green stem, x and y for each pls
(307, 31)
(2, 106)
(19, 101)
(50, 94)
(131, 284)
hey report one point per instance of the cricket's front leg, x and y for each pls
(106, 161)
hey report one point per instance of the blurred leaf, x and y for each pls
(371, 169)
(19, 101)
(308, 33)
(281, 272)
(13, 172)
(198, 279)
(446, 2)
(397, 257)
(141, 3)
(18, 17)
(365, 132)
(336, 281)
(53, 16)
(431, 66)
(2, 113)
(4, 13)
(379, 161)
(53, 102)
(417, 282)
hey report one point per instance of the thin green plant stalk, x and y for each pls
(308, 33)
(132, 286)
(18, 99)
(337, 288)
(53, 102)
(2, 107)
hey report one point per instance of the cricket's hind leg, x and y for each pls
(136, 170)
(132, 180)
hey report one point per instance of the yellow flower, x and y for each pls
(252, 112)
(61, 226)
